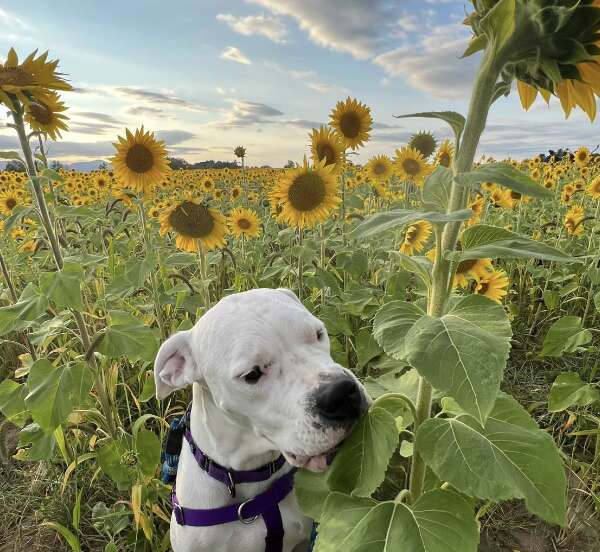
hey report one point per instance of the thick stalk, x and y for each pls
(58, 260)
(481, 101)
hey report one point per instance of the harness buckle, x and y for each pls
(231, 485)
(246, 521)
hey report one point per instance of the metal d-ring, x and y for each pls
(246, 521)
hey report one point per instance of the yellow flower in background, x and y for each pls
(494, 285)
(574, 221)
(327, 146)
(32, 79)
(415, 237)
(141, 161)
(582, 156)
(353, 122)
(471, 268)
(501, 197)
(46, 115)
(244, 223)
(411, 166)
(445, 154)
(476, 205)
(195, 225)
(307, 195)
(379, 168)
(8, 201)
(593, 189)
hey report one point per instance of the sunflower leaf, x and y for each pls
(482, 241)
(387, 220)
(507, 458)
(506, 175)
(565, 336)
(455, 120)
(436, 191)
(477, 44)
(569, 389)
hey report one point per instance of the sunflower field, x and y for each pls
(464, 291)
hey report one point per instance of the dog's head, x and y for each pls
(266, 361)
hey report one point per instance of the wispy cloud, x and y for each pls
(234, 54)
(246, 113)
(263, 25)
(11, 22)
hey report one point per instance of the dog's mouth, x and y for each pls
(316, 463)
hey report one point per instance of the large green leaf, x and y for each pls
(508, 458)
(359, 466)
(147, 447)
(30, 306)
(455, 120)
(420, 266)
(40, 444)
(568, 390)
(463, 353)
(311, 490)
(12, 402)
(381, 222)
(127, 336)
(507, 176)
(565, 336)
(392, 323)
(438, 521)
(117, 460)
(482, 241)
(50, 397)
(436, 191)
(63, 287)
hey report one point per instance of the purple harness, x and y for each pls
(265, 504)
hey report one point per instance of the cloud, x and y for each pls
(92, 128)
(103, 117)
(351, 26)
(303, 123)
(152, 97)
(11, 22)
(172, 137)
(233, 54)
(433, 65)
(264, 25)
(308, 77)
(245, 113)
(142, 110)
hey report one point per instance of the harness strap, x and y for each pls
(231, 477)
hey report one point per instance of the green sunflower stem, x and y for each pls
(300, 264)
(42, 207)
(446, 240)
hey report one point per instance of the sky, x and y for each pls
(209, 75)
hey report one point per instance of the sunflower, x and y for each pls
(493, 285)
(235, 192)
(411, 165)
(46, 116)
(424, 142)
(244, 223)
(445, 154)
(582, 156)
(327, 146)
(141, 161)
(379, 168)
(194, 224)
(33, 79)
(471, 268)
(574, 220)
(307, 195)
(415, 237)
(476, 205)
(8, 201)
(352, 120)
(593, 189)
(501, 197)
(207, 185)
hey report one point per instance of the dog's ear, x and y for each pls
(290, 293)
(174, 367)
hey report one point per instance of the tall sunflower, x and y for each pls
(493, 286)
(307, 195)
(445, 154)
(353, 122)
(415, 237)
(244, 223)
(327, 146)
(574, 220)
(379, 168)
(194, 224)
(141, 161)
(410, 165)
(31, 79)
(46, 115)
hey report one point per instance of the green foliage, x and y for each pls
(568, 390)
(566, 335)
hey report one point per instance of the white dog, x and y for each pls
(264, 385)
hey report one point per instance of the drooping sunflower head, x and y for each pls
(574, 220)
(244, 223)
(379, 168)
(46, 115)
(415, 237)
(411, 166)
(494, 285)
(471, 269)
(194, 224)
(445, 154)
(141, 161)
(307, 195)
(240, 152)
(423, 142)
(353, 122)
(327, 146)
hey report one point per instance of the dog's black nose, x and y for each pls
(339, 400)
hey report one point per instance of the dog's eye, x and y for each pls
(253, 376)
(320, 334)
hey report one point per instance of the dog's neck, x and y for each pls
(227, 442)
